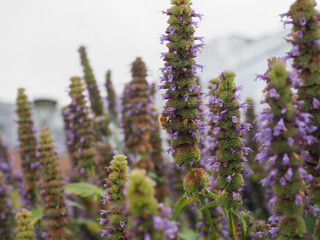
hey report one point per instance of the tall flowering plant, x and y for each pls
(111, 97)
(283, 128)
(101, 120)
(84, 150)
(230, 149)
(53, 196)
(115, 221)
(305, 38)
(137, 120)
(180, 117)
(7, 222)
(28, 143)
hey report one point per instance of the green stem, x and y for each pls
(206, 212)
(232, 230)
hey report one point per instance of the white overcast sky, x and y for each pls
(39, 38)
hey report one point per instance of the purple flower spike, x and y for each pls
(172, 87)
(170, 78)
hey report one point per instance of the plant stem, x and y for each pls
(206, 212)
(232, 230)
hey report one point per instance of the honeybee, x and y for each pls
(164, 119)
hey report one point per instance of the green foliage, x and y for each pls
(83, 189)
(181, 203)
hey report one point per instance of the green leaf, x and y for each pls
(155, 177)
(207, 206)
(182, 202)
(75, 204)
(83, 189)
(188, 234)
(94, 226)
(243, 221)
(36, 214)
(226, 214)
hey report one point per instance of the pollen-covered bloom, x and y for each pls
(115, 221)
(55, 208)
(284, 132)
(28, 143)
(228, 145)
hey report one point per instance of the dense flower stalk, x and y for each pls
(104, 157)
(53, 196)
(111, 96)
(253, 194)
(115, 221)
(5, 164)
(82, 127)
(25, 228)
(94, 93)
(142, 205)
(6, 213)
(213, 108)
(101, 124)
(137, 116)
(69, 133)
(180, 116)
(306, 57)
(228, 143)
(28, 143)
(256, 229)
(283, 129)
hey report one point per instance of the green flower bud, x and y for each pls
(141, 204)
(25, 228)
